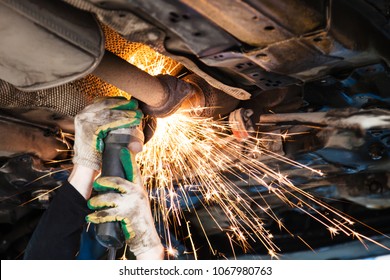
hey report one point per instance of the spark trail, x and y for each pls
(193, 156)
(198, 155)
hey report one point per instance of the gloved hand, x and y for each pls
(93, 124)
(128, 204)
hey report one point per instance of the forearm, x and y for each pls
(81, 179)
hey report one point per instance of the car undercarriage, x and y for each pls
(286, 112)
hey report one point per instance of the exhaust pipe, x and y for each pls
(164, 94)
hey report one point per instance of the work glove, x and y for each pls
(126, 201)
(94, 123)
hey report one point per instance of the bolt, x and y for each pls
(248, 113)
(375, 187)
(376, 151)
(25, 158)
(42, 196)
(153, 36)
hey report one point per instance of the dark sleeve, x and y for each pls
(57, 236)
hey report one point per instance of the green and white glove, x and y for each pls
(126, 202)
(94, 123)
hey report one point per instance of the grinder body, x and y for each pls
(110, 235)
